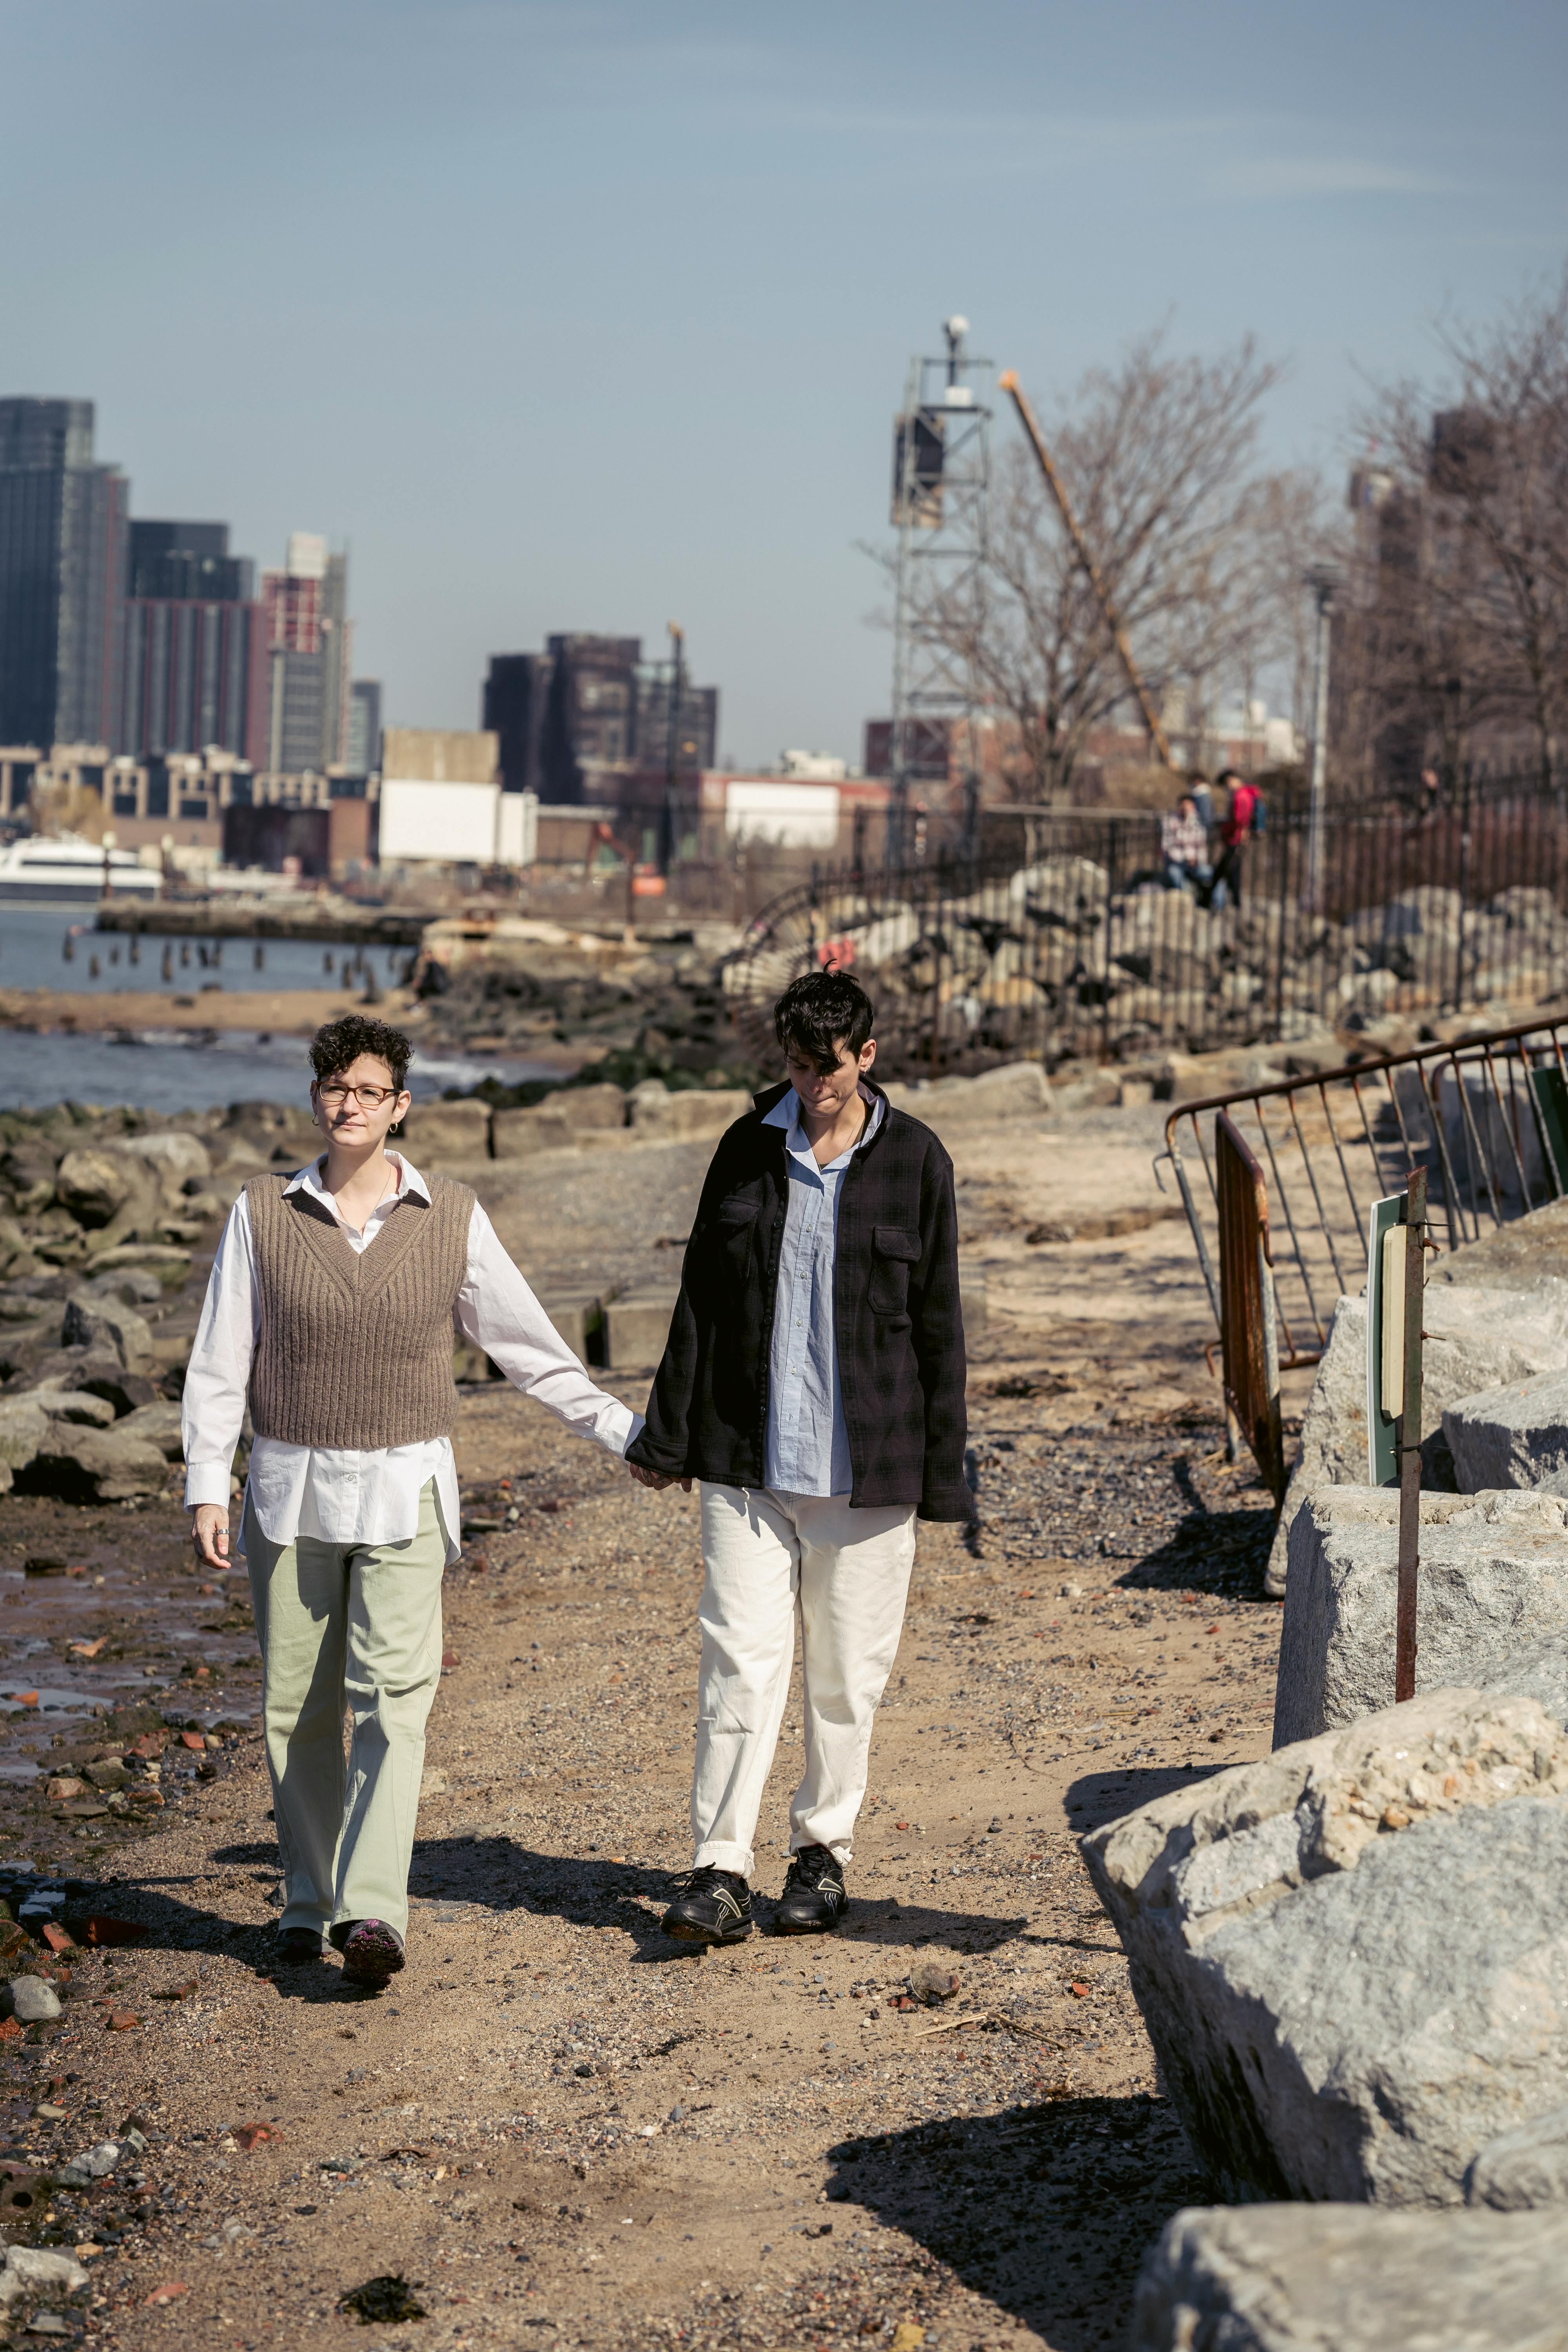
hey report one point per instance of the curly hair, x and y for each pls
(339, 1043)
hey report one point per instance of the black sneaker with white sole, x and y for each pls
(814, 1900)
(714, 1906)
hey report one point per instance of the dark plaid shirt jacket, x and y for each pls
(897, 1324)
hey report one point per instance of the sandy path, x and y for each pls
(572, 2133)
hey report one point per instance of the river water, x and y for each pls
(56, 948)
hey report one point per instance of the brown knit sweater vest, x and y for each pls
(355, 1349)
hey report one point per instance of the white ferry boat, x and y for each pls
(70, 872)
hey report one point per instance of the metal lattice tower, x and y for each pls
(941, 496)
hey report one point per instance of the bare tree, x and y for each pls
(1157, 457)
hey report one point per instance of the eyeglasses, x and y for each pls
(368, 1097)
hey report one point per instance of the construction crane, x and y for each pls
(1009, 383)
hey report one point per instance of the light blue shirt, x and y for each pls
(807, 1449)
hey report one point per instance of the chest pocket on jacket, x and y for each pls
(733, 1227)
(894, 1250)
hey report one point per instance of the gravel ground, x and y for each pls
(556, 2127)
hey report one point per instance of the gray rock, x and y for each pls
(1347, 2278)
(1352, 1958)
(97, 1371)
(178, 1159)
(93, 1184)
(102, 1465)
(24, 1425)
(1523, 2168)
(106, 1324)
(32, 2000)
(76, 1405)
(1475, 1338)
(690, 1114)
(157, 1424)
(28, 2268)
(1493, 1579)
(93, 2164)
(1512, 1433)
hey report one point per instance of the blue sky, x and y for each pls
(587, 316)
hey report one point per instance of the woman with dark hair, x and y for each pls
(331, 1309)
(813, 1382)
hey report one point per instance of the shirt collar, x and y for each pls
(410, 1184)
(785, 1113)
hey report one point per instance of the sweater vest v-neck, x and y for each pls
(354, 1348)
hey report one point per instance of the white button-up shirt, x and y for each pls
(808, 1445)
(341, 1495)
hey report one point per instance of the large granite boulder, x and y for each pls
(1540, 1672)
(1475, 1338)
(1512, 1434)
(1353, 1957)
(1523, 2168)
(1493, 1579)
(1349, 2278)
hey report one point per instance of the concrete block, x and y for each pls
(560, 1121)
(690, 1115)
(1350, 2278)
(441, 1131)
(1475, 1337)
(638, 1328)
(519, 1134)
(1494, 1579)
(1353, 1957)
(1014, 1090)
(579, 1317)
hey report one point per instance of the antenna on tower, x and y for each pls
(942, 496)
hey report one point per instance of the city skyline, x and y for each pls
(555, 322)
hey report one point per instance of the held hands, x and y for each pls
(657, 1480)
(209, 1533)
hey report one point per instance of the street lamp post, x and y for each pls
(1324, 583)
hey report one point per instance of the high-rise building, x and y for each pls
(515, 694)
(309, 640)
(580, 719)
(196, 667)
(62, 576)
(361, 753)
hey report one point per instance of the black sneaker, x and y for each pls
(714, 1906)
(297, 1947)
(814, 1901)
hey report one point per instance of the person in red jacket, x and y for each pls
(1239, 822)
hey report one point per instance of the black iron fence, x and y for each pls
(1072, 945)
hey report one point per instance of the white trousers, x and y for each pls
(845, 1573)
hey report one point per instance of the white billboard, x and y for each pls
(449, 823)
(801, 816)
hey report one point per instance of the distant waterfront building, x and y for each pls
(577, 722)
(362, 752)
(310, 643)
(62, 575)
(196, 667)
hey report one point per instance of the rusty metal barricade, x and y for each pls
(1248, 1332)
(1486, 1117)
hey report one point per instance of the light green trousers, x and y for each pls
(361, 1624)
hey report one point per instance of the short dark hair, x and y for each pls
(1229, 776)
(339, 1043)
(821, 1011)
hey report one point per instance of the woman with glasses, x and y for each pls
(330, 1310)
